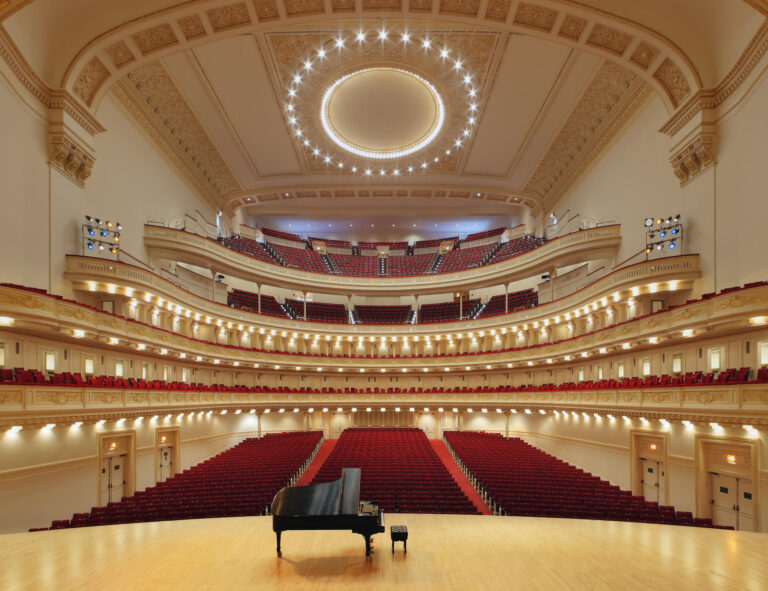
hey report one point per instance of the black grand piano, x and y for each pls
(329, 505)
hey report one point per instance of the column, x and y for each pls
(305, 305)
(258, 287)
(506, 298)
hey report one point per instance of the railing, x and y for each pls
(173, 244)
(87, 271)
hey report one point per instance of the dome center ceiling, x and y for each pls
(382, 112)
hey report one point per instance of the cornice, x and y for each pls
(50, 98)
(711, 98)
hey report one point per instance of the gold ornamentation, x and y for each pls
(659, 397)
(587, 396)
(266, 9)
(155, 38)
(572, 27)
(694, 158)
(572, 397)
(139, 397)
(226, 17)
(605, 397)
(105, 397)
(707, 397)
(191, 26)
(609, 84)
(460, 6)
(178, 397)
(497, 10)
(162, 397)
(119, 54)
(673, 81)
(421, 5)
(49, 397)
(343, 5)
(26, 301)
(610, 39)
(756, 396)
(644, 55)
(628, 396)
(90, 79)
(170, 110)
(12, 397)
(538, 17)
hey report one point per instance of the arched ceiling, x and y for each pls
(553, 81)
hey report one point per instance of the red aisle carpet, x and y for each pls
(324, 451)
(461, 480)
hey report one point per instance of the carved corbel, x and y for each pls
(694, 158)
(70, 134)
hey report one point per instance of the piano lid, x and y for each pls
(340, 497)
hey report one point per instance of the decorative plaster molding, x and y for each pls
(694, 158)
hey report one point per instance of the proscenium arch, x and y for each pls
(650, 55)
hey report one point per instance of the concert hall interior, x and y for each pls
(278, 275)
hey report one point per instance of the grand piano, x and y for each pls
(329, 505)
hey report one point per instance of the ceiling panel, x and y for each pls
(186, 74)
(244, 89)
(572, 86)
(521, 87)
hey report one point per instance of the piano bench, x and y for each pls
(399, 533)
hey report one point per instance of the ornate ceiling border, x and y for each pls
(648, 54)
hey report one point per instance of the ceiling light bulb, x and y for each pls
(360, 36)
(339, 43)
(383, 35)
(426, 43)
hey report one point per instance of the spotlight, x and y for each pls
(91, 232)
(662, 234)
(648, 249)
(672, 245)
(648, 222)
(659, 247)
(90, 245)
(101, 247)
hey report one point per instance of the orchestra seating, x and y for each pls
(246, 300)
(515, 247)
(408, 265)
(382, 314)
(446, 311)
(523, 480)
(304, 259)
(239, 481)
(464, 258)
(356, 266)
(400, 471)
(320, 311)
(518, 300)
(250, 247)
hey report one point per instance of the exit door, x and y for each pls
(165, 469)
(732, 502)
(653, 480)
(112, 478)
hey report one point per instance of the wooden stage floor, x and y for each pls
(444, 552)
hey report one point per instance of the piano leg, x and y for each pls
(368, 549)
(279, 553)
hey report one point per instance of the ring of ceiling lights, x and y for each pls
(426, 155)
(379, 154)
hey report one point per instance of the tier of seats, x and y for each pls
(405, 266)
(399, 470)
(464, 258)
(518, 300)
(319, 311)
(515, 247)
(434, 243)
(246, 300)
(282, 235)
(447, 311)
(240, 481)
(250, 247)
(304, 259)
(523, 480)
(382, 314)
(356, 266)
(690, 379)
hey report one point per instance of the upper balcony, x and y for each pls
(577, 247)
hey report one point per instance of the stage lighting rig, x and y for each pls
(663, 233)
(101, 235)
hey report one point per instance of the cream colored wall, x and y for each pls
(723, 210)
(47, 475)
(132, 182)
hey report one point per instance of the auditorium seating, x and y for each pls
(356, 266)
(400, 471)
(250, 247)
(246, 300)
(515, 247)
(303, 259)
(518, 300)
(382, 314)
(689, 379)
(239, 481)
(404, 266)
(520, 479)
(320, 311)
(462, 259)
(281, 235)
(447, 311)
(484, 235)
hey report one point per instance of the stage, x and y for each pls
(444, 551)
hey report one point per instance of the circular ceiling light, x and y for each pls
(382, 112)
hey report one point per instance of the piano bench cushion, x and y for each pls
(399, 533)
